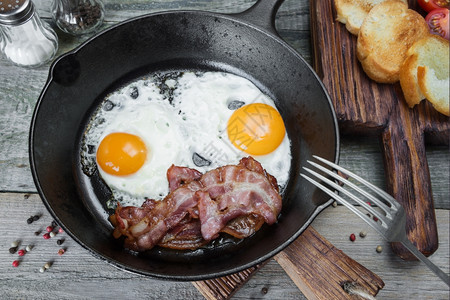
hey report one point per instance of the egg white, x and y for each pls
(177, 115)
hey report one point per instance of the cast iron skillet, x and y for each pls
(245, 44)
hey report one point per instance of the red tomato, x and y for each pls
(429, 5)
(438, 22)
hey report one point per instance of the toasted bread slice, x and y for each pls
(352, 12)
(431, 51)
(433, 72)
(436, 91)
(408, 80)
(385, 36)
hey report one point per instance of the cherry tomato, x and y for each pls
(429, 5)
(438, 22)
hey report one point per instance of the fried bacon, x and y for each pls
(235, 199)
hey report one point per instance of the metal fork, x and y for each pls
(390, 224)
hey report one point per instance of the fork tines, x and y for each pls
(331, 187)
(391, 224)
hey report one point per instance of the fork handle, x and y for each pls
(410, 246)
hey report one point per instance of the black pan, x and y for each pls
(245, 44)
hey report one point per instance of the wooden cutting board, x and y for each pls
(368, 108)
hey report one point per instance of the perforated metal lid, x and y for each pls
(15, 12)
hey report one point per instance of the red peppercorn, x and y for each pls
(21, 252)
(375, 219)
(60, 230)
(46, 236)
(15, 263)
(49, 229)
(352, 237)
(61, 251)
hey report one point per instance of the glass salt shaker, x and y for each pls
(78, 17)
(25, 39)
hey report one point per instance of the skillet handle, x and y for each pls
(262, 14)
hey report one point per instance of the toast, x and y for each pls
(385, 36)
(431, 54)
(352, 12)
(433, 71)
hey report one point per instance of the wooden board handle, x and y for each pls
(408, 180)
(320, 270)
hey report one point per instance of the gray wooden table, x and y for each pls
(78, 275)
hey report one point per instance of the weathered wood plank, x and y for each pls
(77, 274)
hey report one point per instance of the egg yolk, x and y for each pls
(256, 129)
(121, 154)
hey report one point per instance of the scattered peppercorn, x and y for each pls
(30, 220)
(13, 250)
(36, 233)
(379, 249)
(352, 237)
(334, 204)
(264, 290)
(28, 248)
(26, 196)
(61, 251)
(54, 224)
(15, 244)
(47, 265)
(49, 229)
(60, 242)
(60, 230)
(35, 218)
(42, 269)
(15, 263)
(46, 236)
(375, 218)
(52, 234)
(21, 252)
(362, 234)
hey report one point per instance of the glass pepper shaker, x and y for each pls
(25, 39)
(78, 17)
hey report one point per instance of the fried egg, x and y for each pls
(201, 120)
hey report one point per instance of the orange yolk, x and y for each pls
(256, 129)
(121, 154)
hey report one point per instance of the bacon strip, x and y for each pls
(233, 191)
(178, 176)
(144, 231)
(235, 199)
(186, 235)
